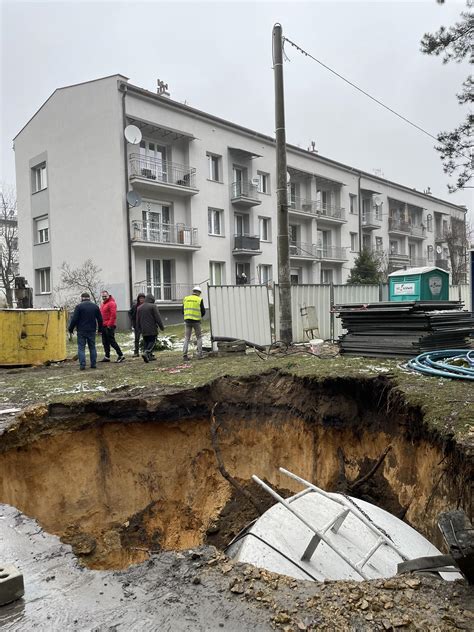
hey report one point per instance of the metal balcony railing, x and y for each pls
(160, 233)
(301, 249)
(370, 219)
(313, 207)
(398, 225)
(246, 242)
(164, 291)
(442, 263)
(244, 189)
(331, 252)
(440, 235)
(417, 230)
(162, 171)
(418, 262)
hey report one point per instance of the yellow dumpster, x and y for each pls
(32, 336)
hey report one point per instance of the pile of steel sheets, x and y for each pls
(405, 328)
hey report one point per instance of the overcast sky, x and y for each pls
(217, 57)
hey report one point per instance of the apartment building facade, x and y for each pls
(205, 209)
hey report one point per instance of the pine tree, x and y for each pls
(365, 270)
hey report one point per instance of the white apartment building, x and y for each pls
(208, 208)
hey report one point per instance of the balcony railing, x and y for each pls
(244, 189)
(440, 235)
(398, 225)
(313, 251)
(417, 231)
(317, 208)
(162, 171)
(331, 252)
(442, 263)
(246, 242)
(160, 233)
(371, 219)
(418, 262)
(171, 292)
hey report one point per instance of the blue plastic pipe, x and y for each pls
(439, 363)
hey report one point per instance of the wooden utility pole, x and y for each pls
(282, 191)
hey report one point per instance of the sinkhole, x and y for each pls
(119, 479)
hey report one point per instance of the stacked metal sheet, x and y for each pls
(405, 328)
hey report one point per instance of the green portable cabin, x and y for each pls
(419, 284)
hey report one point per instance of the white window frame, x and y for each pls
(40, 177)
(268, 269)
(378, 244)
(263, 182)
(265, 221)
(212, 213)
(213, 267)
(214, 160)
(353, 210)
(329, 272)
(354, 242)
(42, 230)
(44, 280)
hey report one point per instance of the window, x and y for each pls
(265, 229)
(353, 203)
(242, 269)
(429, 223)
(43, 277)
(366, 243)
(430, 252)
(214, 167)
(216, 273)
(394, 247)
(158, 279)
(39, 178)
(378, 211)
(214, 221)
(354, 242)
(326, 276)
(379, 244)
(242, 224)
(294, 192)
(263, 182)
(265, 274)
(42, 229)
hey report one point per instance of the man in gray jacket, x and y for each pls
(148, 321)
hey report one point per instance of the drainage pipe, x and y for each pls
(439, 363)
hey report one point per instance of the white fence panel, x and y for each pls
(305, 296)
(240, 311)
(353, 294)
(462, 293)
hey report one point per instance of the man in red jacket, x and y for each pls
(108, 309)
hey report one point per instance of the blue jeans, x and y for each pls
(89, 338)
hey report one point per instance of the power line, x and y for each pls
(353, 85)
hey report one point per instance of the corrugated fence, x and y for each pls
(243, 311)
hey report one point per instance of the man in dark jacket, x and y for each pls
(148, 321)
(86, 319)
(132, 312)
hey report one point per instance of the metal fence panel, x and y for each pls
(461, 293)
(304, 296)
(353, 294)
(240, 311)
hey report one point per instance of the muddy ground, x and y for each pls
(330, 421)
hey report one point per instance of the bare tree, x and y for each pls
(8, 242)
(383, 263)
(84, 278)
(457, 239)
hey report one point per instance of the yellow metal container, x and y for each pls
(32, 336)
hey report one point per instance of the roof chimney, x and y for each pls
(313, 149)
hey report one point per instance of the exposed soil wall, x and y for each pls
(116, 481)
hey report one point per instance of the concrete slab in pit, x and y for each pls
(156, 595)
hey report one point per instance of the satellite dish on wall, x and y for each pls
(133, 134)
(378, 201)
(439, 250)
(134, 199)
(288, 177)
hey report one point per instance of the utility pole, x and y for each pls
(282, 191)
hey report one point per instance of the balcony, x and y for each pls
(164, 292)
(417, 231)
(397, 260)
(244, 194)
(418, 262)
(323, 212)
(370, 221)
(299, 250)
(246, 245)
(331, 253)
(398, 226)
(159, 176)
(171, 236)
(440, 236)
(442, 263)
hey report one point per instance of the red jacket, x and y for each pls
(108, 309)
